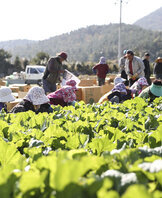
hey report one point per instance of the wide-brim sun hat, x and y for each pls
(143, 81)
(156, 89)
(158, 60)
(36, 96)
(118, 80)
(6, 95)
(71, 83)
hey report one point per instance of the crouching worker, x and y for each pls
(119, 93)
(140, 85)
(5, 97)
(153, 91)
(35, 100)
(64, 96)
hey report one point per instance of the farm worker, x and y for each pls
(35, 100)
(122, 67)
(101, 69)
(5, 97)
(153, 91)
(64, 96)
(147, 70)
(119, 93)
(158, 68)
(52, 72)
(140, 85)
(134, 67)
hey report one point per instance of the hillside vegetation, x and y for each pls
(152, 21)
(88, 44)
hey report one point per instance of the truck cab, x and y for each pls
(34, 73)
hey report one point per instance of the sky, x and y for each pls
(42, 19)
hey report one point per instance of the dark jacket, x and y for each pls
(147, 68)
(53, 69)
(102, 70)
(25, 105)
(158, 70)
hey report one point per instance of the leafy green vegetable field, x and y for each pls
(86, 151)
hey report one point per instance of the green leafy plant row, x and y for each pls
(83, 151)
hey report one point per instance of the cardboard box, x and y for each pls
(15, 89)
(91, 94)
(94, 82)
(22, 94)
(2, 83)
(87, 82)
(22, 87)
(112, 76)
(106, 88)
(10, 105)
(108, 81)
(79, 94)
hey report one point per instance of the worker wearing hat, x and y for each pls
(147, 70)
(53, 71)
(153, 91)
(158, 68)
(134, 67)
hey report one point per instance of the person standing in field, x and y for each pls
(101, 69)
(122, 67)
(158, 68)
(53, 71)
(134, 67)
(147, 70)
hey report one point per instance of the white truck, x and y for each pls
(33, 75)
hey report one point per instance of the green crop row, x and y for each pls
(85, 151)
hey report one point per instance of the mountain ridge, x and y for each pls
(88, 44)
(153, 21)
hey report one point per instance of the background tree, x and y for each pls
(17, 64)
(5, 64)
(25, 62)
(40, 59)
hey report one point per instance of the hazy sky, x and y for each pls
(41, 19)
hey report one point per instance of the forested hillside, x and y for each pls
(152, 21)
(88, 44)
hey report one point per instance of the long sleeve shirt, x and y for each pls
(122, 64)
(102, 70)
(137, 67)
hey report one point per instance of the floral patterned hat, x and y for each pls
(142, 81)
(71, 83)
(37, 96)
(6, 95)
